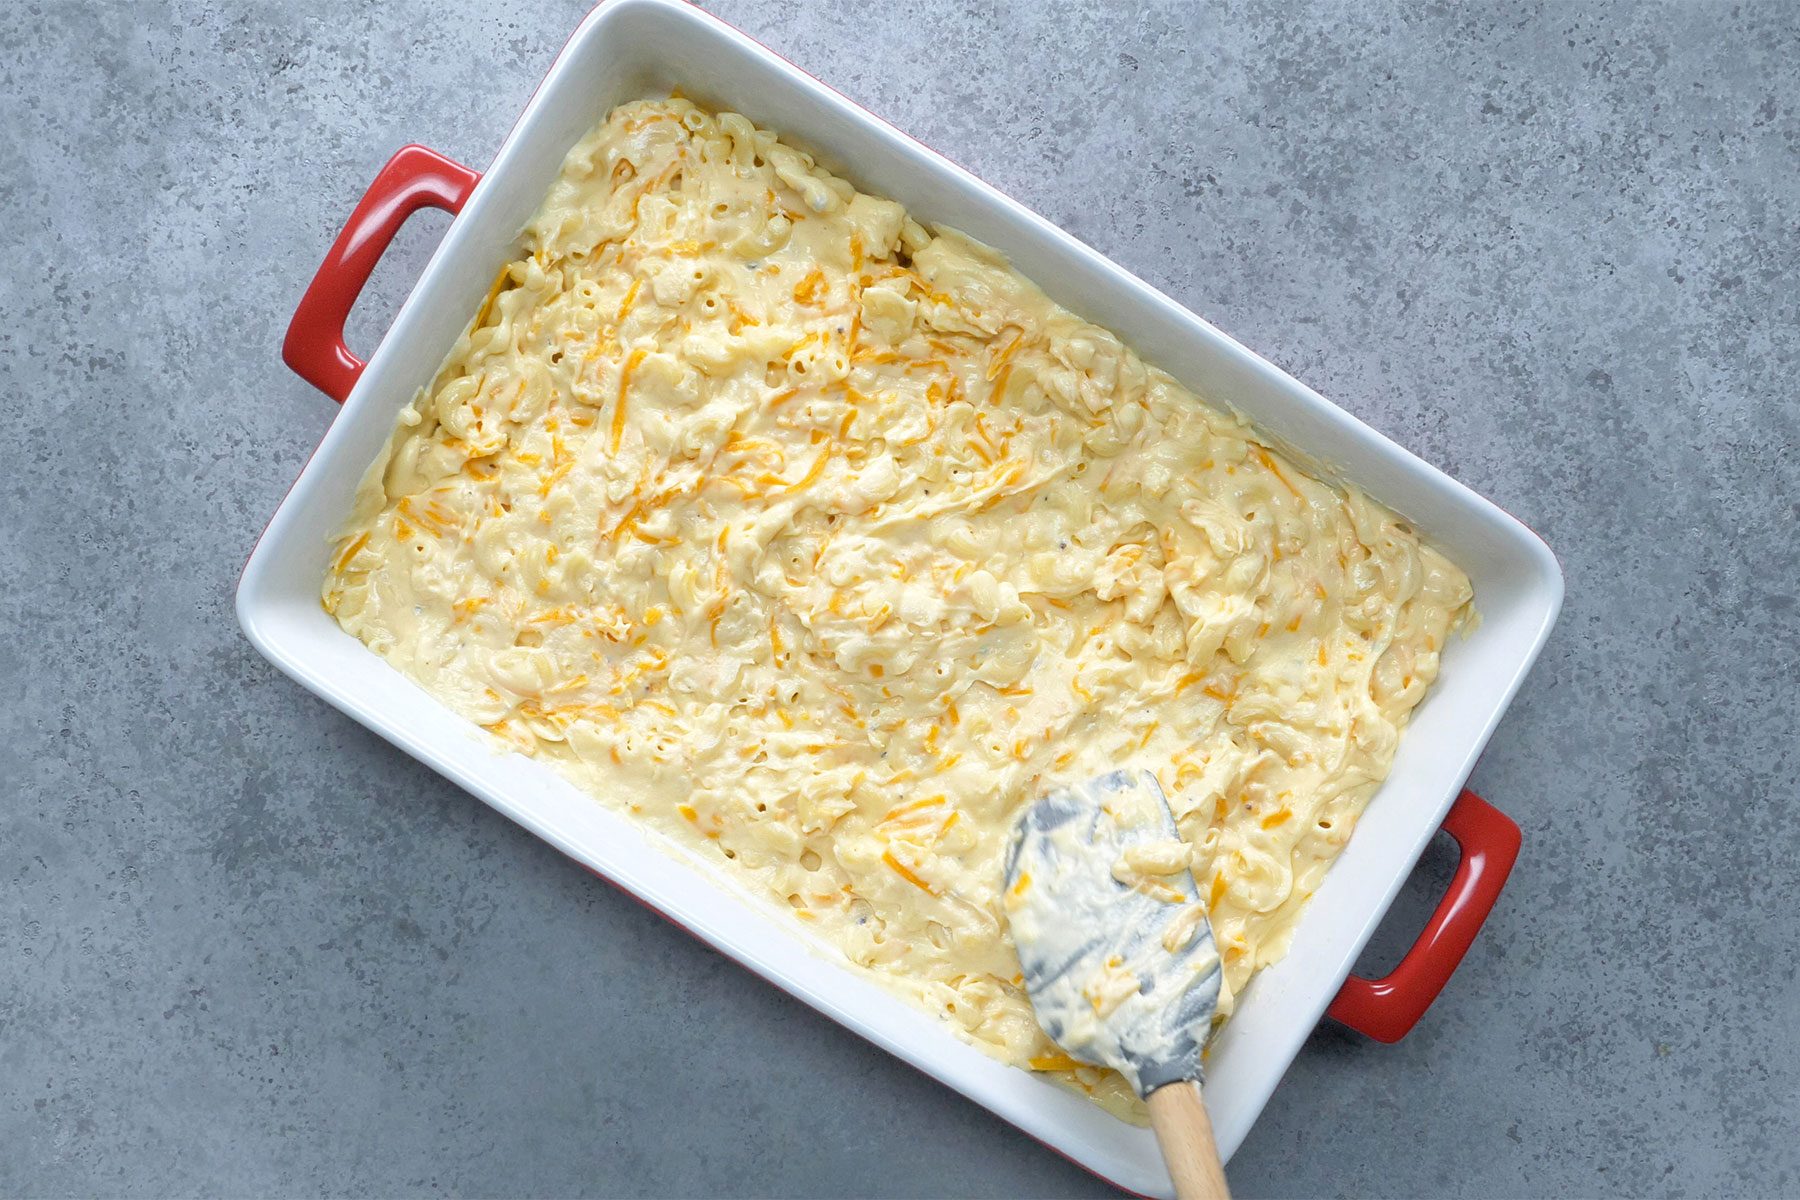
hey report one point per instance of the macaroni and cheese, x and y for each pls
(823, 542)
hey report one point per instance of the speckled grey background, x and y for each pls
(245, 948)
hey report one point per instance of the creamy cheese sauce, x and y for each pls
(822, 543)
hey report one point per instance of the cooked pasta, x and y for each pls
(822, 542)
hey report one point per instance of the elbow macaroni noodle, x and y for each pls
(822, 543)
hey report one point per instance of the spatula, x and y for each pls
(1118, 953)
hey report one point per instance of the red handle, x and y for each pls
(413, 179)
(1387, 1009)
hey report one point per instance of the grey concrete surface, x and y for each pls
(247, 949)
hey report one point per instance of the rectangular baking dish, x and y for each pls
(628, 49)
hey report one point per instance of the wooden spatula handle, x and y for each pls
(1186, 1137)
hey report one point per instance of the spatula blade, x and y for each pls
(1112, 933)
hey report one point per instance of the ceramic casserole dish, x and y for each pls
(629, 49)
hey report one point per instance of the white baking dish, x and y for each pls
(632, 48)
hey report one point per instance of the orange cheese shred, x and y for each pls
(906, 873)
(618, 419)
